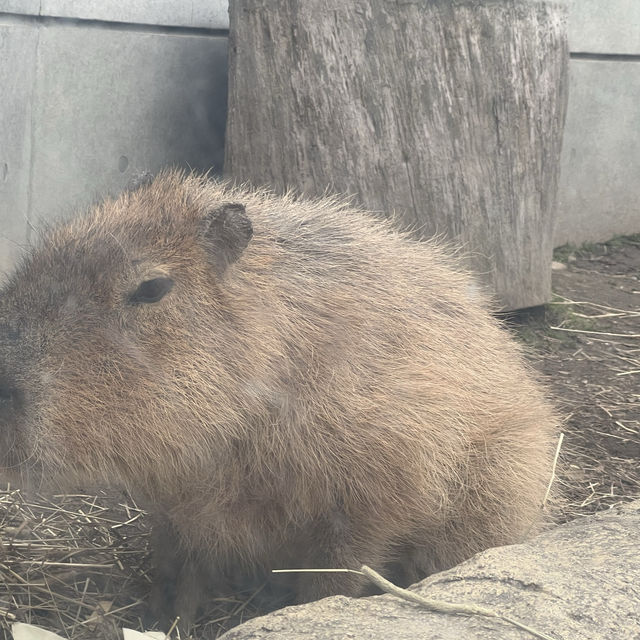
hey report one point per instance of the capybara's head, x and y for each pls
(105, 331)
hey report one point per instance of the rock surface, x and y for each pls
(577, 581)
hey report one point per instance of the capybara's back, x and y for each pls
(286, 383)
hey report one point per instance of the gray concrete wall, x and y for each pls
(84, 104)
(600, 180)
(210, 14)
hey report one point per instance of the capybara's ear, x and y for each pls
(227, 231)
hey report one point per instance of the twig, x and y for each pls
(598, 333)
(566, 301)
(316, 571)
(104, 614)
(439, 606)
(597, 316)
(553, 470)
(72, 565)
(171, 628)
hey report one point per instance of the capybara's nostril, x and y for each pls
(9, 333)
(6, 393)
(10, 396)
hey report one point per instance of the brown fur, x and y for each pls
(332, 395)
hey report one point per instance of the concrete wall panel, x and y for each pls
(31, 7)
(82, 108)
(115, 102)
(600, 181)
(18, 50)
(604, 26)
(210, 14)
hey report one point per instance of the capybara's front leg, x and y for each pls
(180, 584)
(334, 544)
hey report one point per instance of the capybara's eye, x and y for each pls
(151, 291)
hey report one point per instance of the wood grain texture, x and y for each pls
(446, 114)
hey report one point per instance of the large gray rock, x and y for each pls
(578, 581)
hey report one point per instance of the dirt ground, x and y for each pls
(78, 565)
(586, 343)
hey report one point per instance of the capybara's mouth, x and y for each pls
(19, 467)
(16, 458)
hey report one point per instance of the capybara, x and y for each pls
(285, 383)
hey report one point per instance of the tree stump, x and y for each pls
(446, 114)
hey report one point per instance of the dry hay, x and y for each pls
(79, 565)
(587, 344)
(602, 466)
(70, 563)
